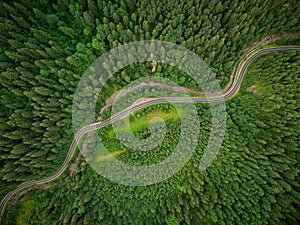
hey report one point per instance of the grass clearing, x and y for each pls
(25, 212)
(110, 155)
(142, 122)
(254, 89)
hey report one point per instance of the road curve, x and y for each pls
(234, 87)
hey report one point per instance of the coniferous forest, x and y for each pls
(46, 46)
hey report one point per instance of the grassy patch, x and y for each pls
(254, 89)
(137, 123)
(25, 212)
(110, 155)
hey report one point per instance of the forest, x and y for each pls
(46, 46)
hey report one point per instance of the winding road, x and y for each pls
(232, 90)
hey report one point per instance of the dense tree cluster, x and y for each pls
(253, 180)
(47, 45)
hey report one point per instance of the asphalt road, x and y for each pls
(231, 91)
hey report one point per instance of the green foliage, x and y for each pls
(47, 45)
(24, 213)
(172, 220)
(253, 179)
